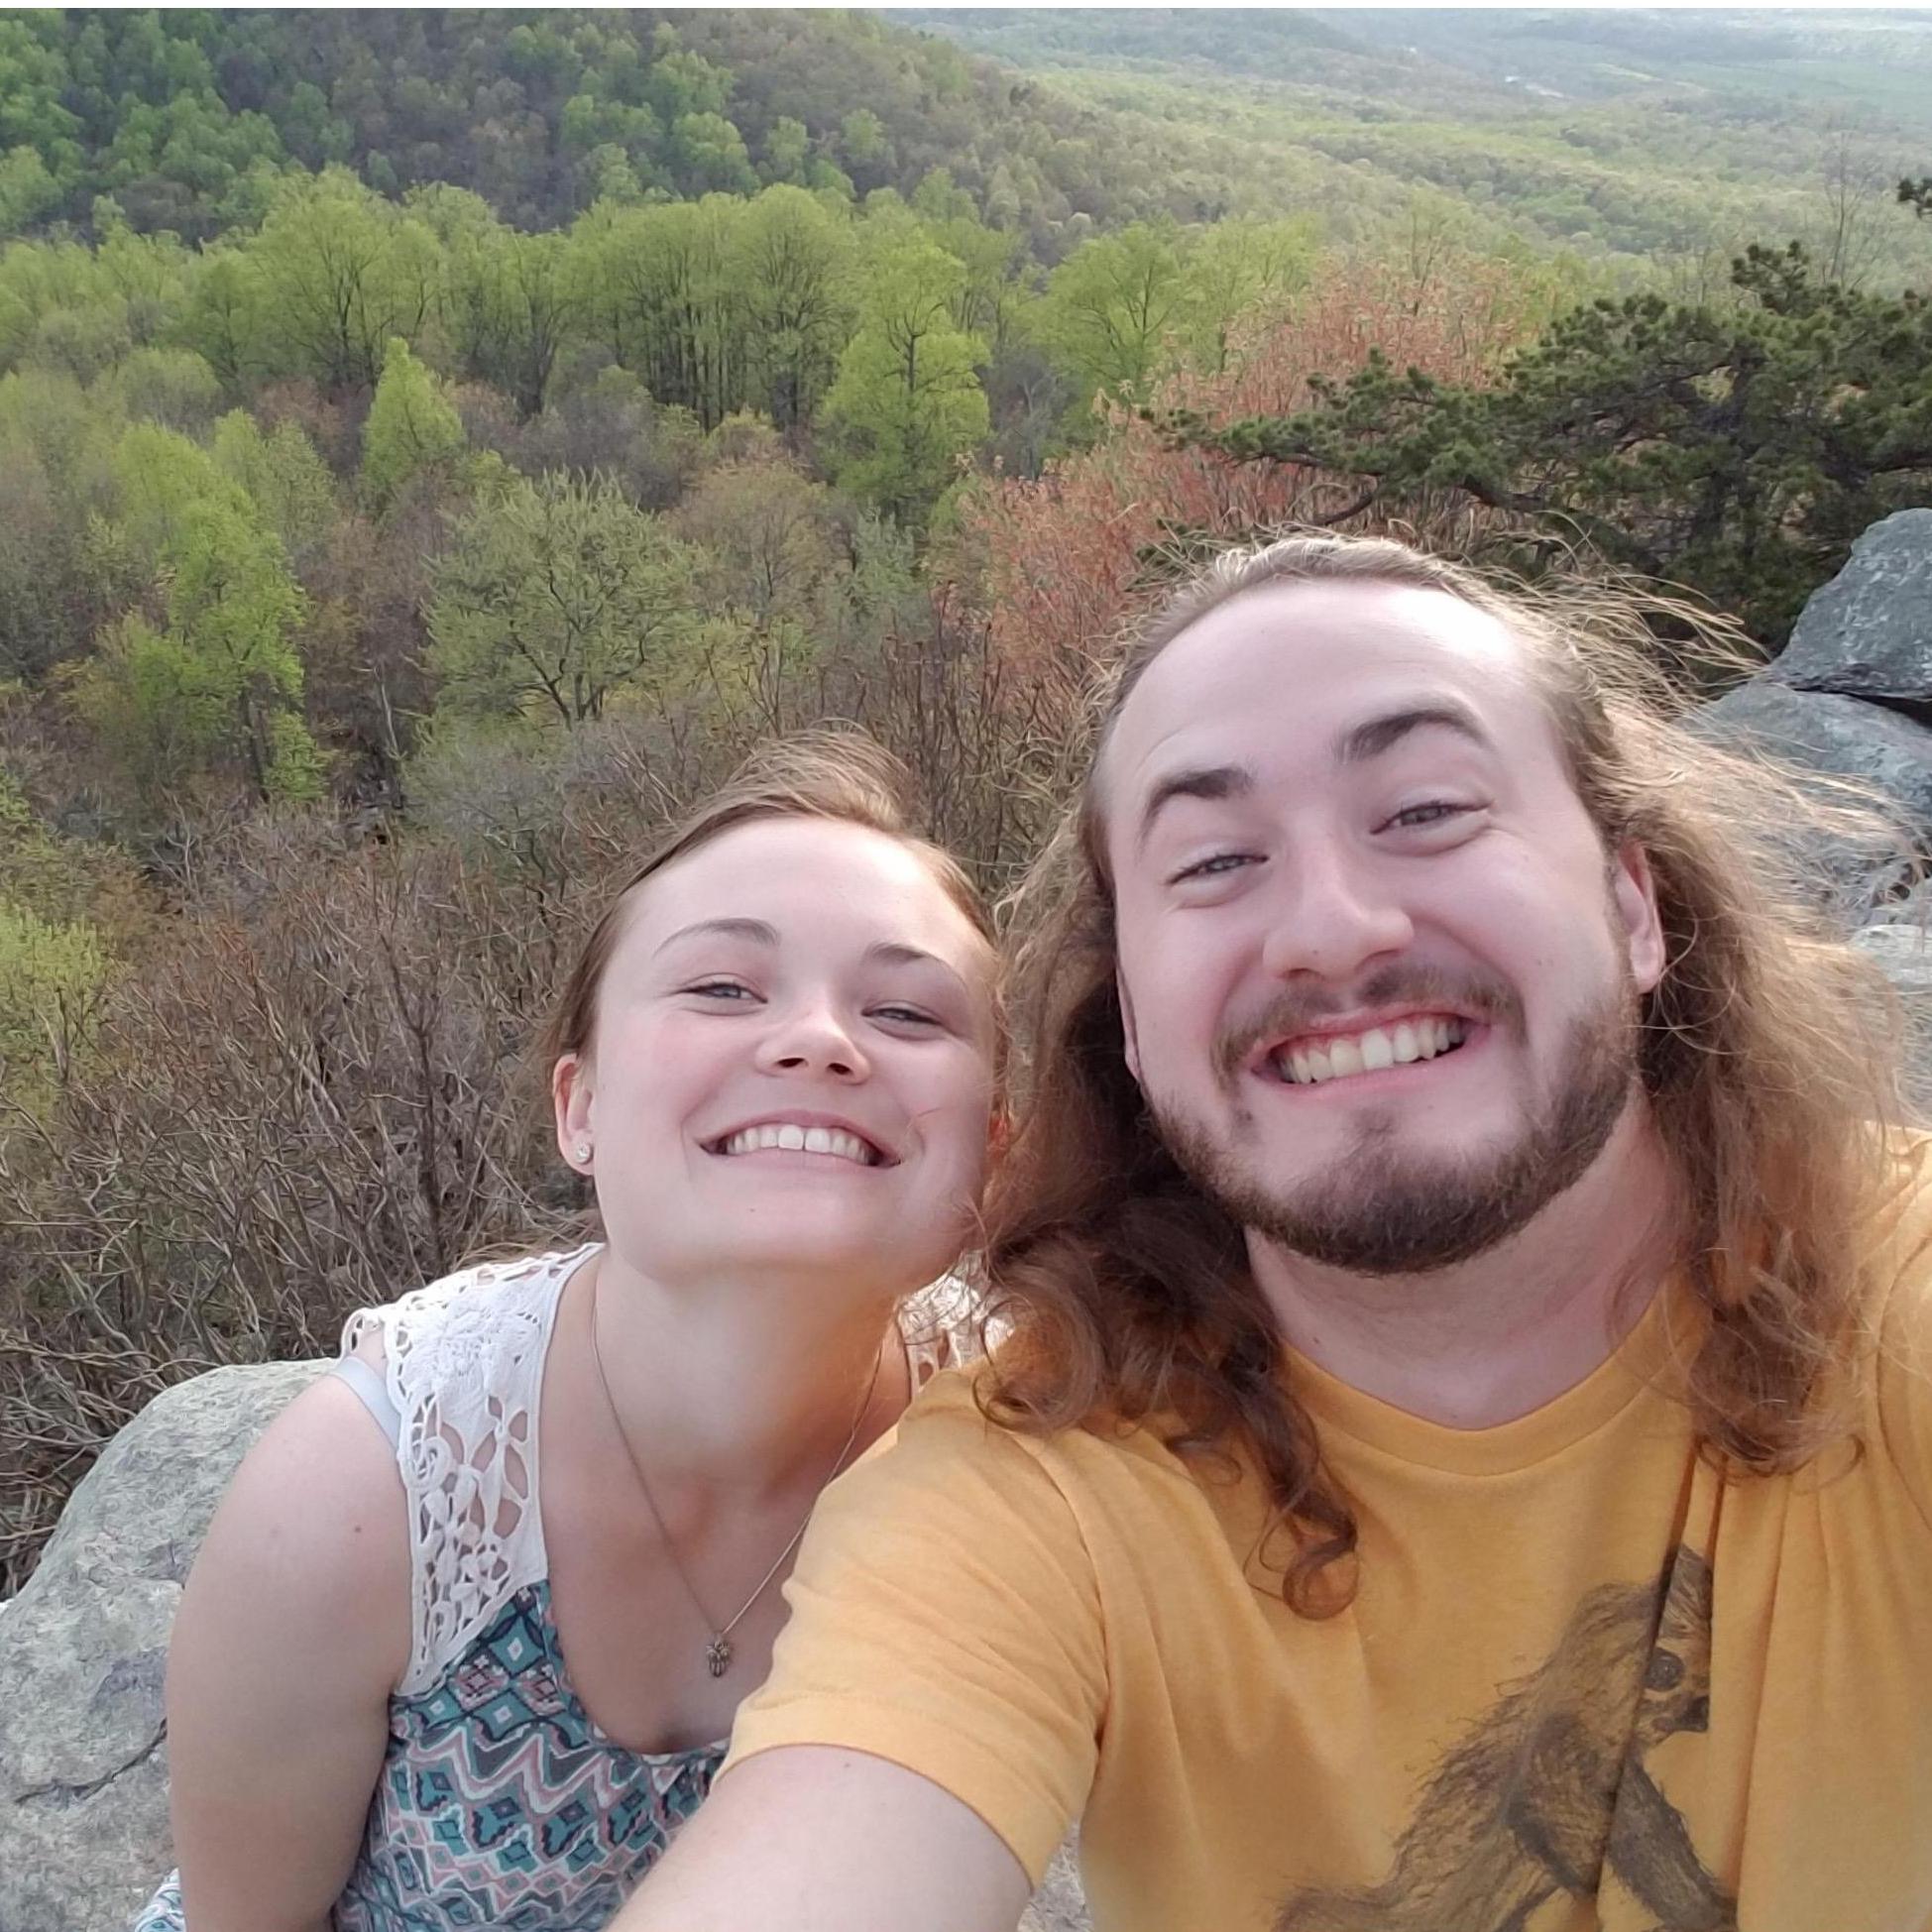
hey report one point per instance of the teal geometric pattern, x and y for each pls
(501, 1804)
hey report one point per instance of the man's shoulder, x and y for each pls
(953, 1425)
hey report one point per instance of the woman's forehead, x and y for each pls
(805, 876)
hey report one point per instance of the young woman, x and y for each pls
(468, 1631)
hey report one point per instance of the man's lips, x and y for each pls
(1316, 1059)
(1410, 1032)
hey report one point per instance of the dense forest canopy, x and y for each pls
(434, 445)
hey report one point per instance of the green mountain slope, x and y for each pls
(1629, 134)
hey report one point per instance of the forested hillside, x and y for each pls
(433, 445)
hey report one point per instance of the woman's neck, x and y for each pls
(745, 1389)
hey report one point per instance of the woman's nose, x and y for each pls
(813, 1040)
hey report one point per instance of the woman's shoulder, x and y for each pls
(462, 1362)
(494, 1307)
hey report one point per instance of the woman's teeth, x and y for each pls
(801, 1140)
(1368, 1053)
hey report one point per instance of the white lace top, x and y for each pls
(462, 1360)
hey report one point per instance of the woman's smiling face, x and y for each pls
(792, 1067)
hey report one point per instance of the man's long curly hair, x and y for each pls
(1768, 1056)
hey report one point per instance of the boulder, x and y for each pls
(1905, 953)
(84, 1773)
(84, 1761)
(1867, 633)
(1843, 738)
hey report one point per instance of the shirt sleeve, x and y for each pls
(944, 1615)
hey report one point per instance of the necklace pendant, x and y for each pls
(718, 1655)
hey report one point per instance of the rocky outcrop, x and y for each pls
(1867, 633)
(84, 1761)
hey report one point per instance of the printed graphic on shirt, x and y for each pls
(1548, 1796)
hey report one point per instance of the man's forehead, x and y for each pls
(1295, 652)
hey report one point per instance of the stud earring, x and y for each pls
(583, 1150)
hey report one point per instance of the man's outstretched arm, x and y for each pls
(809, 1838)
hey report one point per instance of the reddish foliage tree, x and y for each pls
(1060, 561)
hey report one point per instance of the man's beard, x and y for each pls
(1381, 1211)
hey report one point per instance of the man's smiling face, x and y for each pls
(1379, 974)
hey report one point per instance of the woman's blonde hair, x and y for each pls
(1768, 1052)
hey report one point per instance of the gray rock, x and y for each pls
(83, 1771)
(1867, 633)
(1905, 954)
(1844, 738)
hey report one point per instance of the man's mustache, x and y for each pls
(1478, 997)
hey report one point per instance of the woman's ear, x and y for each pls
(570, 1102)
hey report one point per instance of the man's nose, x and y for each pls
(1333, 915)
(814, 1039)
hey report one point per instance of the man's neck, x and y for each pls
(1496, 1337)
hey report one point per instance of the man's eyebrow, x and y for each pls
(753, 929)
(1214, 781)
(1374, 736)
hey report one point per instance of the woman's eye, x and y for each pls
(1433, 813)
(725, 989)
(1222, 862)
(904, 1016)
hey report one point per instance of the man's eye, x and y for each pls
(1222, 862)
(1433, 813)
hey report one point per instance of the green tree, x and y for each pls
(1737, 449)
(286, 481)
(793, 260)
(224, 321)
(766, 537)
(1242, 271)
(340, 271)
(787, 150)
(907, 403)
(412, 427)
(661, 288)
(51, 977)
(510, 306)
(709, 154)
(28, 191)
(556, 594)
(1114, 308)
(220, 686)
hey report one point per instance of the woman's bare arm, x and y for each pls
(292, 1630)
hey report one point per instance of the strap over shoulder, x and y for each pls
(946, 1325)
(462, 1360)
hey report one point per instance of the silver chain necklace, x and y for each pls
(717, 1651)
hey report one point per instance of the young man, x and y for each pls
(1465, 1463)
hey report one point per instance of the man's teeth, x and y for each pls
(1370, 1051)
(796, 1140)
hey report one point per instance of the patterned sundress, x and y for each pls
(501, 1802)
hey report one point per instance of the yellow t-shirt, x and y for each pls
(1585, 1682)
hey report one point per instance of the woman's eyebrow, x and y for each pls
(896, 953)
(756, 930)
